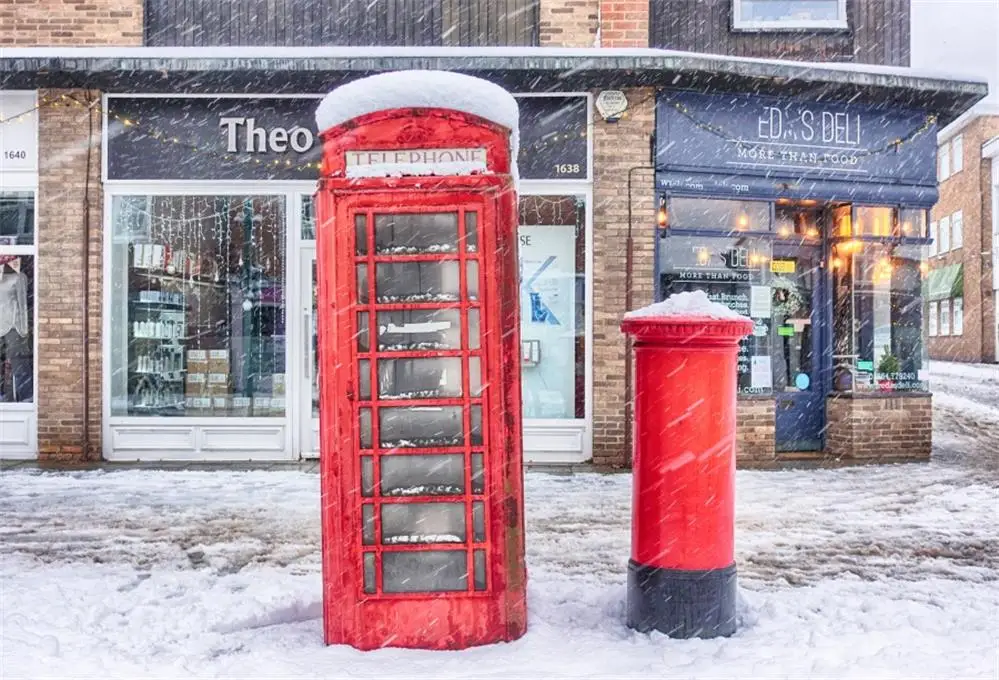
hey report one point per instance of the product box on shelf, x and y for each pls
(197, 361)
(241, 407)
(218, 361)
(278, 384)
(221, 405)
(261, 404)
(198, 406)
(277, 406)
(196, 384)
(218, 384)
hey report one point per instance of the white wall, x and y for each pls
(959, 36)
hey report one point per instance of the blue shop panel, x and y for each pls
(768, 147)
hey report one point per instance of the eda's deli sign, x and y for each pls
(395, 162)
(744, 134)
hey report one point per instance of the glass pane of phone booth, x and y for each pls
(420, 395)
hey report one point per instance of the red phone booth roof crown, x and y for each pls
(422, 90)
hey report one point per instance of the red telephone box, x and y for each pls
(422, 496)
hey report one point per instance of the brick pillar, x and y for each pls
(617, 149)
(879, 429)
(755, 431)
(624, 23)
(65, 142)
(569, 23)
(74, 23)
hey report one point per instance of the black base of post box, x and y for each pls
(682, 604)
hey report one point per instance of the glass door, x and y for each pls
(796, 364)
(309, 361)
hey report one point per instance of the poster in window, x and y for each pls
(547, 319)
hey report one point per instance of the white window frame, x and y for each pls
(934, 317)
(944, 235)
(943, 162)
(945, 317)
(957, 307)
(957, 230)
(934, 236)
(957, 154)
(740, 24)
(19, 420)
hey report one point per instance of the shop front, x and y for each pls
(210, 277)
(810, 218)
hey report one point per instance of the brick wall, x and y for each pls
(64, 140)
(624, 23)
(569, 23)
(755, 431)
(964, 191)
(879, 429)
(70, 22)
(617, 149)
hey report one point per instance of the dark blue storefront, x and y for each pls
(809, 217)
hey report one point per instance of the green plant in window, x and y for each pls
(889, 363)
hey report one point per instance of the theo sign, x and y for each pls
(274, 138)
(703, 138)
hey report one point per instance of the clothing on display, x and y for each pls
(16, 376)
(13, 301)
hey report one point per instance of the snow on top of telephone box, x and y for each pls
(423, 89)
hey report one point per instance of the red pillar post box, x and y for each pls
(681, 576)
(422, 500)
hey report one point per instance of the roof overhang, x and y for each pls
(278, 70)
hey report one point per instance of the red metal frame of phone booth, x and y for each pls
(367, 617)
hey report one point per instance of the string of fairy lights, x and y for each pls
(285, 164)
(559, 137)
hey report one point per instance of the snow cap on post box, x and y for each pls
(423, 89)
(689, 315)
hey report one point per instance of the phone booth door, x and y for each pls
(425, 442)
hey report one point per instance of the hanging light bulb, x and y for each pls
(742, 222)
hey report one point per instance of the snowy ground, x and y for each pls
(888, 572)
(966, 414)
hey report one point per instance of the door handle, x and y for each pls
(307, 328)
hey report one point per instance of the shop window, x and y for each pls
(736, 272)
(934, 316)
(727, 216)
(957, 154)
(877, 317)
(957, 230)
(944, 235)
(934, 239)
(759, 15)
(798, 222)
(912, 222)
(945, 317)
(17, 297)
(552, 252)
(874, 221)
(957, 305)
(198, 306)
(308, 216)
(17, 218)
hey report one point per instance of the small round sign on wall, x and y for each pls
(802, 381)
(611, 105)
